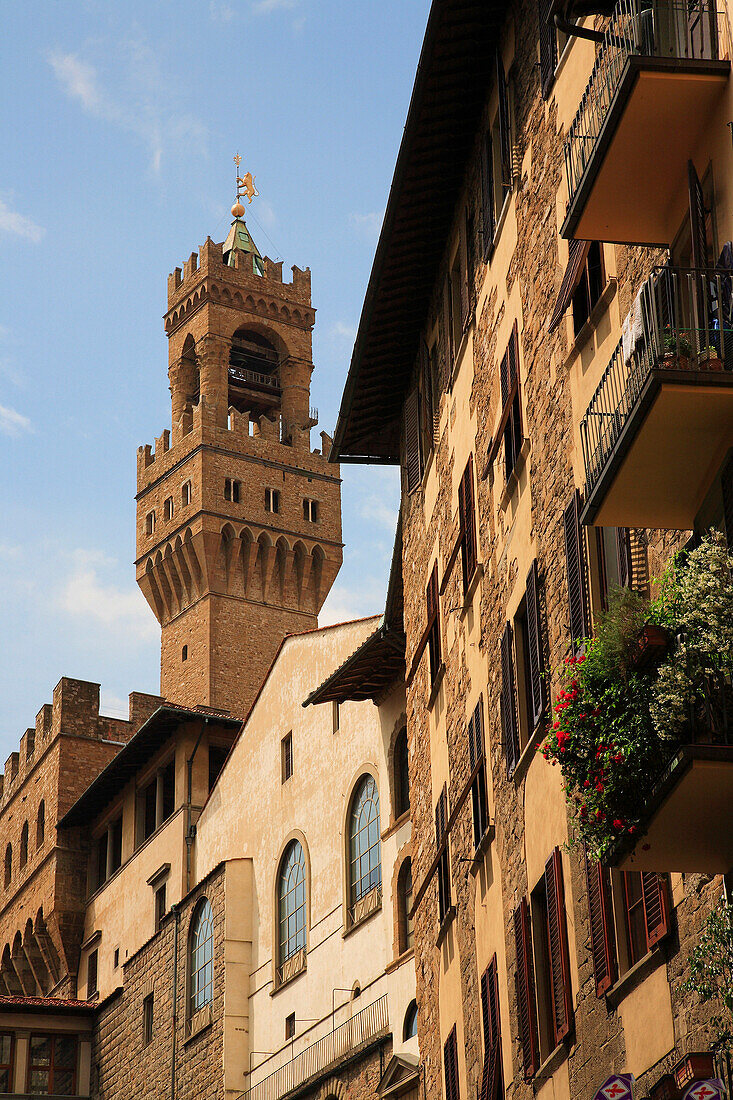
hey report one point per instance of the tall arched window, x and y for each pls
(41, 825)
(409, 1029)
(8, 865)
(24, 844)
(201, 957)
(365, 849)
(291, 902)
(401, 774)
(404, 902)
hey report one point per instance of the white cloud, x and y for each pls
(221, 12)
(86, 595)
(264, 7)
(12, 422)
(368, 224)
(377, 510)
(345, 603)
(113, 706)
(19, 225)
(342, 331)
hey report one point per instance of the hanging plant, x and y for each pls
(710, 967)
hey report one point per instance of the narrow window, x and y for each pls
(335, 716)
(477, 763)
(24, 845)
(8, 865)
(530, 672)
(201, 958)
(160, 906)
(167, 779)
(272, 500)
(184, 653)
(508, 705)
(185, 494)
(492, 1079)
(404, 901)
(488, 223)
(148, 1019)
(115, 842)
(526, 1000)
(116, 958)
(401, 774)
(6, 1062)
(433, 627)
(510, 429)
(456, 302)
(92, 961)
(589, 288)
(231, 490)
(168, 509)
(365, 846)
(409, 1028)
(310, 510)
(100, 867)
(150, 523)
(427, 369)
(286, 756)
(413, 449)
(467, 519)
(577, 573)
(52, 1065)
(450, 1066)
(441, 842)
(291, 903)
(290, 1026)
(558, 1007)
(41, 824)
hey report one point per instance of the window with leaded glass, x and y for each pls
(365, 850)
(201, 957)
(291, 902)
(52, 1065)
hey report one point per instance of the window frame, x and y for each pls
(445, 896)
(168, 509)
(41, 824)
(586, 295)
(272, 500)
(432, 599)
(286, 757)
(450, 1066)
(492, 1077)
(365, 791)
(23, 854)
(161, 904)
(401, 773)
(200, 996)
(8, 1066)
(405, 923)
(92, 973)
(148, 1018)
(295, 890)
(311, 510)
(52, 1068)
(186, 494)
(477, 762)
(467, 520)
(232, 490)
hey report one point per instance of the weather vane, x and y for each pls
(245, 186)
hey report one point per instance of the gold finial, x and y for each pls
(245, 186)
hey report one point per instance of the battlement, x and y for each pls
(73, 712)
(209, 263)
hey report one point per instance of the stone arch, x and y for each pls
(265, 561)
(399, 726)
(285, 314)
(332, 1089)
(297, 316)
(283, 561)
(318, 558)
(295, 835)
(249, 303)
(238, 300)
(226, 296)
(173, 577)
(272, 309)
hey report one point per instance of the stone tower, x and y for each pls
(238, 521)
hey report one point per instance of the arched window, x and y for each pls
(8, 865)
(409, 1029)
(291, 902)
(41, 825)
(401, 774)
(201, 957)
(365, 849)
(404, 902)
(24, 844)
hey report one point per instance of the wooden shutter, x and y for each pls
(444, 890)
(476, 736)
(448, 325)
(433, 610)
(726, 486)
(557, 942)
(576, 571)
(467, 512)
(463, 258)
(601, 927)
(450, 1064)
(623, 548)
(697, 218)
(526, 1002)
(534, 646)
(513, 355)
(426, 401)
(504, 378)
(656, 907)
(548, 47)
(507, 701)
(487, 195)
(505, 137)
(577, 257)
(412, 440)
(491, 1078)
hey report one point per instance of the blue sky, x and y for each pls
(118, 128)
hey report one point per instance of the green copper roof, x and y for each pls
(239, 240)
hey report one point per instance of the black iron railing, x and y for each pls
(696, 30)
(683, 321)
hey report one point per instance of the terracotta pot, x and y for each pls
(652, 643)
(712, 364)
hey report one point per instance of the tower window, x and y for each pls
(184, 653)
(150, 523)
(148, 1019)
(286, 753)
(231, 490)
(290, 1026)
(185, 494)
(310, 510)
(272, 500)
(92, 962)
(168, 508)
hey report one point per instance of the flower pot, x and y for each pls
(651, 646)
(694, 1067)
(713, 363)
(674, 361)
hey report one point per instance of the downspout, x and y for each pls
(189, 796)
(174, 910)
(569, 28)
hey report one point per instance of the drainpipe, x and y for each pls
(174, 910)
(189, 796)
(579, 32)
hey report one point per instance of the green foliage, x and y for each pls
(711, 967)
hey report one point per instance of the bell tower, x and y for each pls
(238, 520)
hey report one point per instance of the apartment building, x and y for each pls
(545, 350)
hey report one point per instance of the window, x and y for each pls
(467, 520)
(575, 563)
(497, 168)
(150, 523)
(52, 1065)
(185, 494)
(645, 912)
(184, 653)
(116, 958)
(291, 902)
(622, 562)
(160, 906)
(115, 845)
(168, 508)
(365, 847)
(433, 627)
(552, 966)
(526, 1000)
(457, 299)
(24, 844)
(217, 758)
(401, 774)
(41, 824)
(201, 958)
(100, 862)
(335, 716)
(156, 801)
(8, 865)
(441, 842)
(290, 1026)
(427, 397)
(492, 1080)
(6, 1062)
(509, 431)
(148, 1019)
(231, 490)
(404, 902)
(477, 763)
(286, 756)
(92, 963)
(523, 688)
(589, 288)
(450, 1066)
(272, 500)
(549, 52)
(310, 511)
(409, 1028)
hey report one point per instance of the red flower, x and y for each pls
(618, 757)
(600, 815)
(599, 787)
(618, 823)
(586, 782)
(583, 810)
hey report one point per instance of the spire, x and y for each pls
(239, 239)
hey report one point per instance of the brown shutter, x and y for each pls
(491, 1078)
(474, 737)
(487, 195)
(467, 513)
(412, 440)
(504, 378)
(601, 934)
(577, 256)
(505, 138)
(548, 47)
(726, 486)
(463, 255)
(576, 572)
(426, 402)
(526, 1002)
(623, 547)
(448, 326)
(697, 218)
(557, 940)
(656, 907)
(534, 646)
(507, 701)
(433, 610)
(450, 1064)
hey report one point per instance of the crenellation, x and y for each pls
(27, 745)
(44, 721)
(162, 443)
(273, 270)
(11, 769)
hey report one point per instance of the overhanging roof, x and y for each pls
(448, 95)
(138, 750)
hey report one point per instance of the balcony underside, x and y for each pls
(689, 827)
(633, 189)
(667, 453)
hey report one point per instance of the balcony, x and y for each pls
(658, 72)
(661, 420)
(251, 390)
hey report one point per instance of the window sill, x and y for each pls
(370, 907)
(526, 756)
(436, 685)
(445, 924)
(483, 846)
(582, 338)
(513, 482)
(198, 1023)
(458, 354)
(551, 1064)
(471, 590)
(298, 965)
(399, 960)
(638, 973)
(396, 824)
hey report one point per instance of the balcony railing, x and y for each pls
(254, 378)
(696, 30)
(683, 323)
(332, 1047)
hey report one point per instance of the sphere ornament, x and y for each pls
(237, 210)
